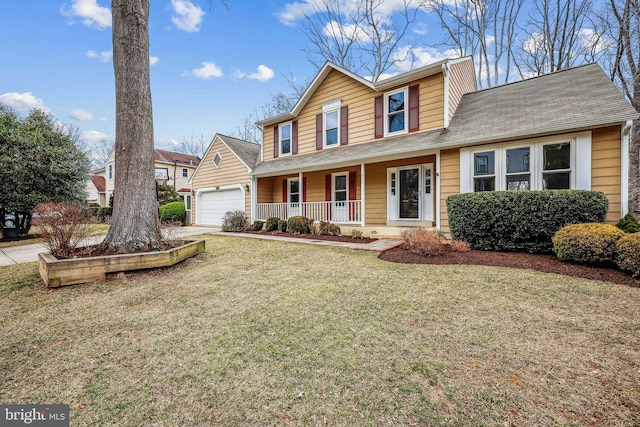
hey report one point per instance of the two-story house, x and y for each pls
(388, 153)
(174, 169)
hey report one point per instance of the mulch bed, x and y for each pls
(544, 263)
(347, 239)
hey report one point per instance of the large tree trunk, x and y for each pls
(134, 224)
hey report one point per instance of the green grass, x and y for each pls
(260, 332)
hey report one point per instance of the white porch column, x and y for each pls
(362, 192)
(253, 197)
(437, 178)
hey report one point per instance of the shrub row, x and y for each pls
(523, 221)
(600, 245)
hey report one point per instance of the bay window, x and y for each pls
(545, 164)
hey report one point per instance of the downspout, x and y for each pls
(175, 166)
(362, 191)
(624, 185)
(445, 73)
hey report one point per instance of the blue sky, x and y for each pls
(211, 66)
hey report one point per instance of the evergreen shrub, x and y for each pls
(520, 221)
(592, 244)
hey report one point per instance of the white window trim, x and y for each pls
(214, 160)
(405, 112)
(333, 185)
(110, 171)
(330, 107)
(580, 161)
(185, 173)
(290, 124)
(289, 180)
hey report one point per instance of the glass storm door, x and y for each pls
(409, 186)
(294, 198)
(340, 203)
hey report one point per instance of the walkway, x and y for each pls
(29, 253)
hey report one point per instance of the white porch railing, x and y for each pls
(349, 211)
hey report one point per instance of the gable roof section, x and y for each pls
(571, 99)
(566, 101)
(247, 152)
(99, 182)
(171, 157)
(378, 86)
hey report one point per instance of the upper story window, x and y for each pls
(284, 138)
(395, 112)
(185, 172)
(331, 121)
(110, 171)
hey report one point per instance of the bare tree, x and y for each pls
(484, 29)
(194, 147)
(100, 152)
(359, 36)
(554, 37)
(135, 224)
(622, 20)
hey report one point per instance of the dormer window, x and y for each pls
(395, 110)
(285, 139)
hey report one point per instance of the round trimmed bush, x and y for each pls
(628, 257)
(591, 243)
(173, 211)
(257, 225)
(298, 225)
(629, 224)
(272, 223)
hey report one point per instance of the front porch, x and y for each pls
(395, 193)
(340, 212)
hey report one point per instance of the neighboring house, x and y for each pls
(174, 169)
(96, 187)
(221, 182)
(390, 153)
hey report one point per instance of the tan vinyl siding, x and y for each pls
(360, 100)
(606, 168)
(265, 190)
(231, 172)
(461, 81)
(449, 182)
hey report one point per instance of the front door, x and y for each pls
(409, 186)
(410, 193)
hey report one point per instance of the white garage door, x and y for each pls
(214, 204)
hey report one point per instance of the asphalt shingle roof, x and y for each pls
(246, 151)
(171, 156)
(569, 100)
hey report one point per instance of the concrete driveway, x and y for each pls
(29, 253)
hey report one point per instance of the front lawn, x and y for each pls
(259, 332)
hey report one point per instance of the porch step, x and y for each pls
(383, 232)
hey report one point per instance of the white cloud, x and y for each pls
(263, 74)
(89, 12)
(208, 70)
(352, 32)
(293, 12)
(23, 101)
(409, 57)
(421, 29)
(186, 16)
(595, 42)
(94, 136)
(153, 60)
(104, 56)
(84, 115)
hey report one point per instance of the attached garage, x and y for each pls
(213, 203)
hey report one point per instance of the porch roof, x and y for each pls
(567, 101)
